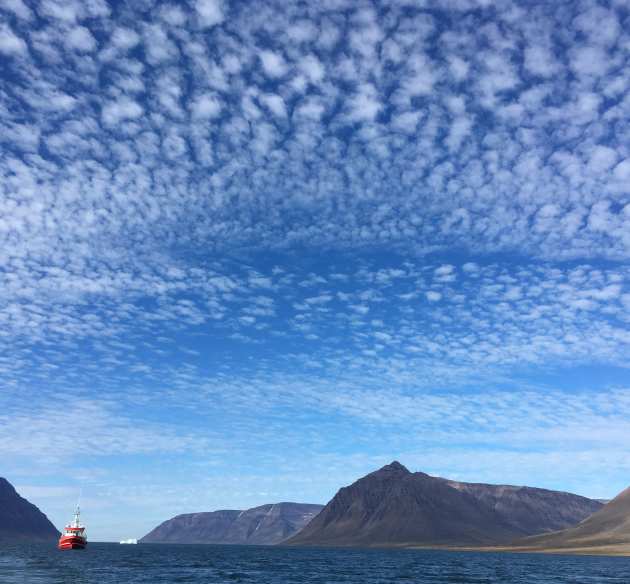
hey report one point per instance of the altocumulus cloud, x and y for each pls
(423, 127)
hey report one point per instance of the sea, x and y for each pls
(107, 563)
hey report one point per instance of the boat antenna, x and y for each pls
(78, 510)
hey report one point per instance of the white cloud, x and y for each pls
(123, 109)
(68, 10)
(622, 171)
(602, 159)
(366, 104)
(460, 128)
(275, 103)
(206, 106)
(10, 43)
(539, 60)
(103, 427)
(458, 67)
(158, 46)
(311, 108)
(96, 8)
(125, 38)
(173, 15)
(590, 60)
(80, 39)
(312, 67)
(421, 77)
(273, 63)
(18, 8)
(406, 122)
(600, 25)
(600, 218)
(211, 12)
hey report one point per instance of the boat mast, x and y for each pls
(77, 513)
(76, 517)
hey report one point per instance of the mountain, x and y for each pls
(606, 531)
(21, 520)
(212, 527)
(264, 525)
(395, 507)
(531, 510)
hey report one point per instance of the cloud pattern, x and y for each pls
(355, 212)
(491, 127)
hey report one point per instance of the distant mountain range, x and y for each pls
(395, 507)
(21, 520)
(264, 525)
(389, 507)
(607, 532)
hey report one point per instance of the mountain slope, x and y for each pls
(264, 525)
(393, 506)
(210, 527)
(21, 520)
(606, 531)
(530, 510)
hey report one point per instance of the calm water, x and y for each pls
(166, 564)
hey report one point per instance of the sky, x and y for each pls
(251, 251)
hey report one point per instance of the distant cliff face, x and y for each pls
(606, 531)
(529, 510)
(393, 506)
(264, 525)
(21, 520)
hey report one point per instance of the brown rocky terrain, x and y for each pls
(605, 532)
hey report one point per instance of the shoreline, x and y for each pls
(620, 550)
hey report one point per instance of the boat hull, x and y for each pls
(72, 542)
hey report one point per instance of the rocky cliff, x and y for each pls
(531, 510)
(264, 525)
(21, 520)
(607, 531)
(393, 506)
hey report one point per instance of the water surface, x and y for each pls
(104, 563)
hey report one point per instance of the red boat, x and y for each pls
(74, 537)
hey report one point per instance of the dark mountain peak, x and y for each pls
(393, 506)
(21, 520)
(394, 467)
(6, 486)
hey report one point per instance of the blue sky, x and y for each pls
(250, 252)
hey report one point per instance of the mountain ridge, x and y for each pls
(393, 506)
(263, 525)
(20, 520)
(607, 531)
